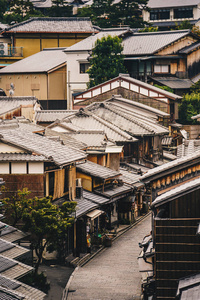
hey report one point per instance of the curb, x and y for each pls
(67, 290)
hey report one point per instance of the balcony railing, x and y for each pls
(10, 51)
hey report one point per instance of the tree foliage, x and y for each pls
(164, 87)
(190, 106)
(47, 223)
(106, 14)
(106, 60)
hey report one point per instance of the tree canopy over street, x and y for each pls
(106, 60)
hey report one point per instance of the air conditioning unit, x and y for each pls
(3, 49)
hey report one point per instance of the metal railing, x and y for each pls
(11, 51)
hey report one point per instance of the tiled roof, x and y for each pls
(190, 48)
(96, 170)
(175, 192)
(41, 145)
(12, 268)
(130, 123)
(10, 250)
(188, 148)
(10, 234)
(89, 43)
(87, 120)
(171, 3)
(40, 62)
(170, 165)
(91, 139)
(84, 206)
(94, 197)
(113, 192)
(129, 177)
(8, 104)
(18, 287)
(138, 108)
(22, 157)
(54, 25)
(174, 82)
(49, 116)
(151, 42)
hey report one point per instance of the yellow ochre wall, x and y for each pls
(33, 43)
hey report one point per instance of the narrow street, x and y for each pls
(113, 274)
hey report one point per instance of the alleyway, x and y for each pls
(113, 274)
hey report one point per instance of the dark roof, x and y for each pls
(190, 48)
(174, 82)
(9, 233)
(94, 197)
(176, 192)
(54, 25)
(114, 192)
(84, 206)
(96, 170)
(189, 288)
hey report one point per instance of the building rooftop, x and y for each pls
(49, 116)
(189, 287)
(56, 152)
(174, 192)
(89, 42)
(96, 170)
(135, 125)
(10, 233)
(171, 3)
(148, 43)
(53, 25)
(173, 82)
(41, 62)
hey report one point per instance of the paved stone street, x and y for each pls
(113, 274)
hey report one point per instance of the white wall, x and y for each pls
(35, 167)
(18, 168)
(4, 168)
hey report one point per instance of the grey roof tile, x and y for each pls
(126, 121)
(190, 48)
(22, 157)
(87, 120)
(41, 145)
(11, 103)
(174, 82)
(94, 197)
(96, 170)
(114, 193)
(49, 116)
(151, 42)
(84, 206)
(56, 24)
(91, 139)
(40, 62)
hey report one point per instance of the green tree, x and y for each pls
(3, 8)
(164, 87)
(106, 14)
(190, 106)
(195, 88)
(149, 29)
(48, 225)
(20, 10)
(184, 25)
(106, 60)
(15, 206)
(60, 9)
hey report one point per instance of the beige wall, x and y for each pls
(41, 85)
(177, 46)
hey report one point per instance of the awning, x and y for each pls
(94, 214)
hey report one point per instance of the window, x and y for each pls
(161, 69)
(84, 67)
(185, 12)
(51, 183)
(160, 14)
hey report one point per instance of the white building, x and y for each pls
(172, 12)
